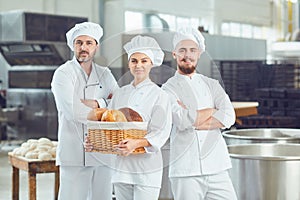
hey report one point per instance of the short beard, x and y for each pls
(83, 60)
(187, 71)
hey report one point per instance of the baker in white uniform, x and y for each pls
(77, 83)
(139, 176)
(199, 158)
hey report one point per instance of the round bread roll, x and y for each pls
(44, 156)
(131, 115)
(113, 116)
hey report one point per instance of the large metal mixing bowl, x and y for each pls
(262, 135)
(266, 171)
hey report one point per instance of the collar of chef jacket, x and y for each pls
(143, 83)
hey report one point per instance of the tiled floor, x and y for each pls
(45, 182)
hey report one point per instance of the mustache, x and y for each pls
(83, 52)
(187, 59)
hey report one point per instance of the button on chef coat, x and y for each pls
(203, 100)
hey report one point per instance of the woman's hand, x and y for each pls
(127, 146)
(90, 103)
(87, 145)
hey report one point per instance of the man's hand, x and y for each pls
(209, 124)
(87, 145)
(203, 115)
(90, 103)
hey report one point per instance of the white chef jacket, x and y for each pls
(197, 152)
(70, 83)
(153, 104)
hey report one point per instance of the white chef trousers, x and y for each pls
(135, 192)
(85, 183)
(216, 186)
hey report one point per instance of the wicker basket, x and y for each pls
(104, 135)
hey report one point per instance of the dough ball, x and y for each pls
(31, 155)
(44, 140)
(30, 141)
(16, 151)
(25, 145)
(44, 156)
(54, 143)
(24, 150)
(43, 147)
(33, 146)
(52, 151)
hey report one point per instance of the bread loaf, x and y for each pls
(96, 114)
(131, 115)
(113, 116)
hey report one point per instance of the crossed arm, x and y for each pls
(206, 121)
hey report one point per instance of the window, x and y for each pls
(138, 20)
(246, 30)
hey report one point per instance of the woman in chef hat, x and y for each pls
(139, 176)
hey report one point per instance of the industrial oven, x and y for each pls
(32, 46)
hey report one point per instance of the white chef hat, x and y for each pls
(146, 45)
(188, 33)
(86, 28)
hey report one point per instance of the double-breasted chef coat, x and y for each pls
(154, 106)
(70, 84)
(197, 152)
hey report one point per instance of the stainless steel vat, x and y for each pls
(262, 135)
(266, 171)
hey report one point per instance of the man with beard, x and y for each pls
(79, 85)
(199, 159)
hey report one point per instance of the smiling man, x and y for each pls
(79, 85)
(199, 158)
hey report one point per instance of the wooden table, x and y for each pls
(244, 109)
(32, 166)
